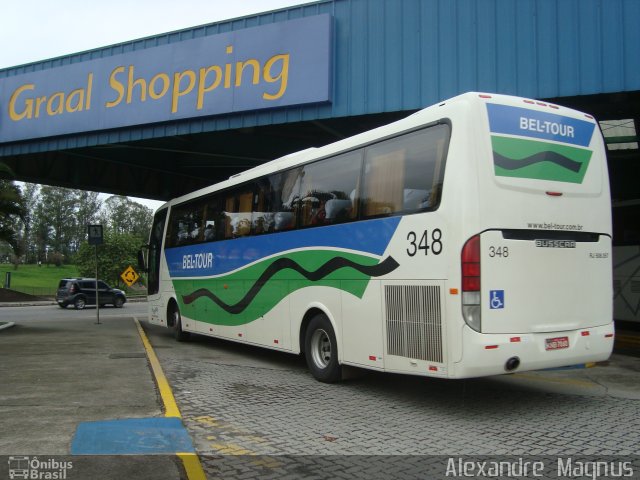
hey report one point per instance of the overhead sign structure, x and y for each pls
(129, 276)
(274, 65)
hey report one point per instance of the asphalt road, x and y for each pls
(61, 374)
(28, 314)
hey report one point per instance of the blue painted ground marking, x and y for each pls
(132, 436)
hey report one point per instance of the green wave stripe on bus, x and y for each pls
(232, 290)
(520, 158)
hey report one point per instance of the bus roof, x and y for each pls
(418, 119)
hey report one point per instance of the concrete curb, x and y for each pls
(41, 303)
(27, 304)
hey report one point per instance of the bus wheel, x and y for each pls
(178, 333)
(321, 350)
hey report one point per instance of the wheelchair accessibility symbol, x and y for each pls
(496, 299)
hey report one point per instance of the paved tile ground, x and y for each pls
(244, 402)
(239, 409)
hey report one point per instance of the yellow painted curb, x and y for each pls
(191, 461)
(192, 466)
(170, 405)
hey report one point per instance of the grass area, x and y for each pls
(35, 280)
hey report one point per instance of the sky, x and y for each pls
(34, 30)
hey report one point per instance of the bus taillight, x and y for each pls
(470, 260)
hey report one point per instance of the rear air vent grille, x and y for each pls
(414, 321)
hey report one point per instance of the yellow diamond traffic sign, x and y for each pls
(129, 276)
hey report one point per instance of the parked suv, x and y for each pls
(81, 292)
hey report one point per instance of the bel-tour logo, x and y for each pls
(525, 122)
(287, 63)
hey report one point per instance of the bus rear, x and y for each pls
(536, 271)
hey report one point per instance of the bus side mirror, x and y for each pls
(142, 265)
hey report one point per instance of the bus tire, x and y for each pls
(321, 350)
(178, 333)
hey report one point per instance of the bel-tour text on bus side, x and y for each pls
(197, 260)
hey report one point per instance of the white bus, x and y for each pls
(471, 238)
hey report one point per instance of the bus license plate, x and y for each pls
(556, 343)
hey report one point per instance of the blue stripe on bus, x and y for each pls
(217, 258)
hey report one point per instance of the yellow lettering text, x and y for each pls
(39, 102)
(76, 96)
(153, 93)
(227, 69)
(117, 86)
(27, 112)
(140, 82)
(89, 90)
(177, 92)
(202, 83)
(55, 104)
(282, 76)
(240, 66)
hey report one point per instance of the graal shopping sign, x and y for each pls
(275, 65)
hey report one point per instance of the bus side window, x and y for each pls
(404, 174)
(262, 218)
(384, 181)
(329, 188)
(185, 225)
(213, 219)
(238, 213)
(285, 198)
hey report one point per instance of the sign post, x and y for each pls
(96, 238)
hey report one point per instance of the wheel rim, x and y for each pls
(80, 304)
(321, 348)
(176, 319)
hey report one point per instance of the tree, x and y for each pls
(122, 215)
(30, 194)
(56, 218)
(53, 221)
(116, 253)
(11, 211)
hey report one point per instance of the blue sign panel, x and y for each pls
(269, 66)
(543, 125)
(496, 299)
